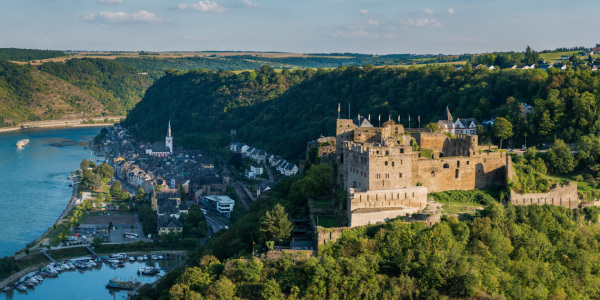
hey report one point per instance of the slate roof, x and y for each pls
(361, 121)
(168, 222)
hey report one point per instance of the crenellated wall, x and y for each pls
(565, 196)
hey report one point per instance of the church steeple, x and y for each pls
(169, 139)
(169, 132)
(448, 115)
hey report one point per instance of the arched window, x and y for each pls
(432, 174)
(446, 166)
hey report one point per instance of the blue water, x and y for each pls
(90, 283)
(34, 189)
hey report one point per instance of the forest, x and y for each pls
(17, 54)
(502, 252)
(280, 112)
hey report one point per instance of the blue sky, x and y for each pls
(303, 26)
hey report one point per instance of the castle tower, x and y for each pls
(169, 139)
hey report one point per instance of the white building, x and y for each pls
(222, 204)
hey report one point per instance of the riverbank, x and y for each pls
(98, 121)
(15, 277)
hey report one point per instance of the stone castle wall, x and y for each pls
(415, 196)
(326, 235)
(363, 217)
(460, 173)
(565, 196)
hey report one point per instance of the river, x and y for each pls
(33, 181)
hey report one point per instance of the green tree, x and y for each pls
(116, 188)
(84, 164)
(95, 181)
(222, 289)
(236, 161)
(560, 158)
(487, 59)
(276, 224)
(105, 171)
(434, 127)
(139, 197)
(502, 129)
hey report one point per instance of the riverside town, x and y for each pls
(253, 149)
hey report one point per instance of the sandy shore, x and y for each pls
(63, 123)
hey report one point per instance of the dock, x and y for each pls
(48, 256)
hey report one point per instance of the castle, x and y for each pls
(388, 172)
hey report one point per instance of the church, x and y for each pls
(160, 149)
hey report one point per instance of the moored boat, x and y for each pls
(123, 284)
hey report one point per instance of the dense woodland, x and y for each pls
(17, 54)
(524, 252)
(282, 111)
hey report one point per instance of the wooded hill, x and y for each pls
(282, 111)
(80, 87)
(17, 54)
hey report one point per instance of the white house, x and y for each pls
(258, 170)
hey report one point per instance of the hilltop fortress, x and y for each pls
(388, 171)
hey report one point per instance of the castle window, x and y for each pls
(400, 175)
(446, 166)
(401, 149)
(387, 153)
(458, 164)
(432, 174)
(392, 164)
(386, 163)
(467, 162)
(387, 175)
(456, 174)
(377, 176)
(377, 152)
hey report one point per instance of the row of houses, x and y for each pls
(262, 157)
(541, 65)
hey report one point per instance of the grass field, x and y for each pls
(327, 222)
(554, 56)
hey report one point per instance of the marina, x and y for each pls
(94, 277)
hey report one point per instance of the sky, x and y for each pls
(299, 26)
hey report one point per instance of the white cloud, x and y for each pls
(141, 16)
(249, 4)
(355, 34)
(110, 1)
(450, 11)
(428, 11)
(422, 22)
(364, 12)
(373, 22)
(204, 6)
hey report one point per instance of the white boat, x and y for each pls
(21, 287)
(159, 256)
(39, 278)
(131, 258)
(140, 258)
(22, 143)
(145, 257)
(154, 256)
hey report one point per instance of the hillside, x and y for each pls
(281, 112)
(78, 88)
(17, 54)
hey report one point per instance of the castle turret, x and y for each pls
(169, 139)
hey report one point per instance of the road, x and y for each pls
(216, 223)
(237, 187)
(270, 172)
